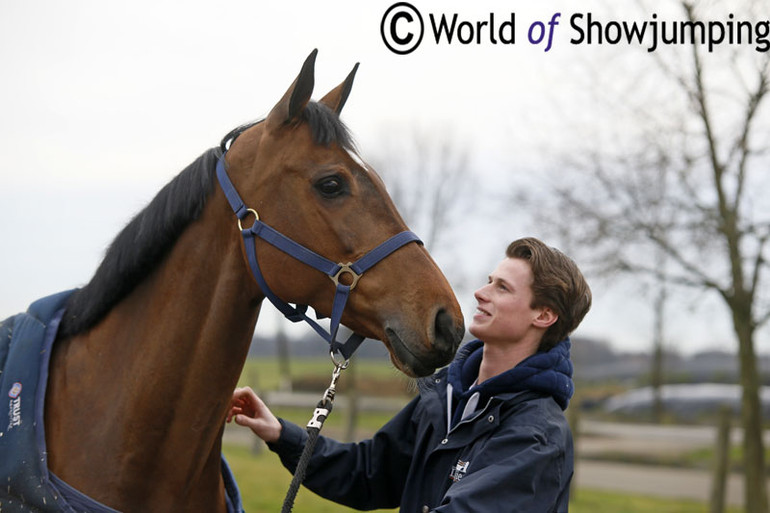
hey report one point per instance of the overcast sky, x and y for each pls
(102, 103)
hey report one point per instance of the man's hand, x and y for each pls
(250, 411)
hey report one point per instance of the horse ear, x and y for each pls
(296, 97)
(337, 97)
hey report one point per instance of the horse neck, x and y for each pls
(198, 313)
(163, 364)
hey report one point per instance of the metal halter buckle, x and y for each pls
(346, 268)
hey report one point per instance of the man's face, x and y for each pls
(504, 314)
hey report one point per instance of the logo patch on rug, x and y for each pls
(14, 406)
(15, 390)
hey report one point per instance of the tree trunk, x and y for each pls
(656, 378)
(284, 359)
(722, 462)
(751, 414)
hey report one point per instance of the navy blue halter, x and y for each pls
(333, 270)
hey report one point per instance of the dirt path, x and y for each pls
(653, 481)
(634, 439)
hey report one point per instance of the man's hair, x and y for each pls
(557, 284)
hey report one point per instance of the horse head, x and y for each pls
(300, 171)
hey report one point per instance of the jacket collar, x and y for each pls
(548, 373)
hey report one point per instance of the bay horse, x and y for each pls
(149, 351)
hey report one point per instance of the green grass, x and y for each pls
(264, 373)
(263, 483)
(367, 423)
(700, 458)
(593, 501)
(705, 456)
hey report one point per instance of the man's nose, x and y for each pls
(481, 294)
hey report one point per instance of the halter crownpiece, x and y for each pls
(333, 270)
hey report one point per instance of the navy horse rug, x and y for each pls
(26, 484)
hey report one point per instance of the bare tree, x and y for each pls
(687, 179)
(428, 175)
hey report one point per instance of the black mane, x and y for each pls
(151, 234)
(145, 241)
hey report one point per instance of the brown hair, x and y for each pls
(557, 284)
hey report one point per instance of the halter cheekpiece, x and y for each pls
(333, 270)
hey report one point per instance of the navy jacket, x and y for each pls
(512, 454)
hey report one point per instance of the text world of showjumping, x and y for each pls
(587, 29)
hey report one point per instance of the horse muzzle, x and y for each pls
(417, 357)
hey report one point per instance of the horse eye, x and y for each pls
(330, 186)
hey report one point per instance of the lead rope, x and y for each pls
(321, 413)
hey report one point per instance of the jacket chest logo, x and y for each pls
(459, 470)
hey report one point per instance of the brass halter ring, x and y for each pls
(248, 211)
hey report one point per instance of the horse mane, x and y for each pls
(325, 125)
(145, 241)
(149, 236)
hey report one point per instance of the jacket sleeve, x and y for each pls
(365, 475)
(525, 470)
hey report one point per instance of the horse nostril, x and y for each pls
(447, 336)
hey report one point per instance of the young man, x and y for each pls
(487, 433)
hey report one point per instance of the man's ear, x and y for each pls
(545, 318)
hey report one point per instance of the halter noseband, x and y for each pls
(309, 257)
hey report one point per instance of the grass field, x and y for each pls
(263, 483)
(264, 373)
